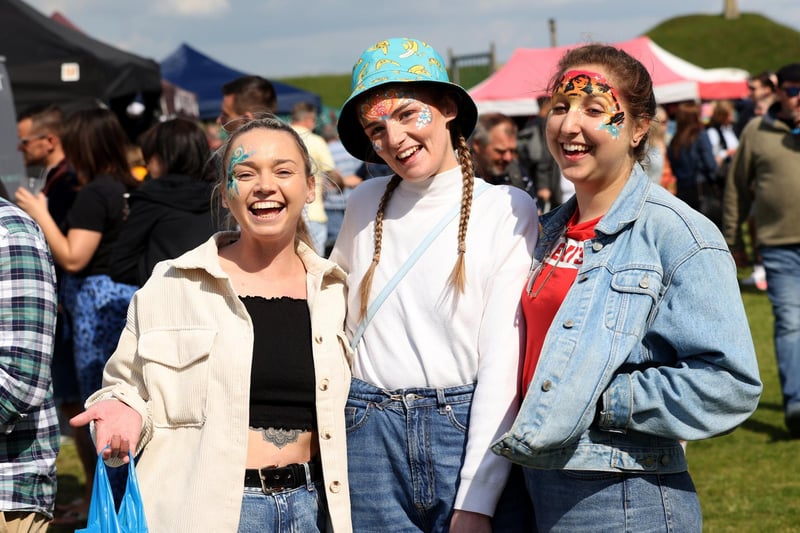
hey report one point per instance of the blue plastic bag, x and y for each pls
(102, 518)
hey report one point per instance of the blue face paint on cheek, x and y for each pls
(377, 146)
(611, 128)
(425, 117)
(237, 157)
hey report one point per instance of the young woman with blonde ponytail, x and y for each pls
(435, 263)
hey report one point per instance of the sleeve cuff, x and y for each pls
(617, 405)
(478, 497)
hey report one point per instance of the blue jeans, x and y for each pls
(288, 511)
(404, 454)
(335, 219)
(572, 500)
(405, 449)
(318, 231)
(319, 234)
(782, 264)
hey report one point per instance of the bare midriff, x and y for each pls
(261, 453)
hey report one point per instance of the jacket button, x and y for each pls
(645, 283)
(665, 460)
(648, 461)
(547, 385)
(318, 339)
(323, 385)
(597, 246)
(326, 434)
(335, 486)
(569, 323)
(583, 278)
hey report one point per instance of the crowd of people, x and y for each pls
(418, 319)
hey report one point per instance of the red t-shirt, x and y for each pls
(551, 281)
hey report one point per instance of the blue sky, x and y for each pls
(279, 38)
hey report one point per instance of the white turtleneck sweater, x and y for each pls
(427, 335)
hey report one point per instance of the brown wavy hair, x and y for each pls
(94, 144)
(631, 81)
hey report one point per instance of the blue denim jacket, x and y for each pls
(654, 324)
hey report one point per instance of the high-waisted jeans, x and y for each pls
(405, 449)
(404, 452)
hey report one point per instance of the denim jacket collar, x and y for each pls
(624, 210)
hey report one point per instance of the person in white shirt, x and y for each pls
(436, 372)
(721, 134)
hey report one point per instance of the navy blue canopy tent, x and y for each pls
(196, 72)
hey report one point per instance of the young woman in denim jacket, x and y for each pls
(637, 336)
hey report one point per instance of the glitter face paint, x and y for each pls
(381, 106)
(237, 157)
(577, 84)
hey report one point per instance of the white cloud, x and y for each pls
(193, 8)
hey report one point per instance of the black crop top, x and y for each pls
(282, 392)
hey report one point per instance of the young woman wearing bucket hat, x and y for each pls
(435, 260)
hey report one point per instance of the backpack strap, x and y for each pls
(722, 141)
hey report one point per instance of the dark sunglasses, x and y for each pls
(791, 92)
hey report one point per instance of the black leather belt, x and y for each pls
(277, 478)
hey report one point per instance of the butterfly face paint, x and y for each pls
(576, 85)
(237, 157)
(392, 105)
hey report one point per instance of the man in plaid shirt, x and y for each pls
(29, 436)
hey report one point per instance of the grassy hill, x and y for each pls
(333, 88)
(752, 42)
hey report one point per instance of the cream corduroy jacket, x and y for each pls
(183, 362)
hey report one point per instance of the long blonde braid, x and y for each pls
(366, 281)
(458, 277)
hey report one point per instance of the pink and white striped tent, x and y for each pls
(513, 89)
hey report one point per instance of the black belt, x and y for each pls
(276, 478)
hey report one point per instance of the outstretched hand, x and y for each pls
(117, 428)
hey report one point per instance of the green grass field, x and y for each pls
(748, 481)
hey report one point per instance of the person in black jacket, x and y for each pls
(170, 213)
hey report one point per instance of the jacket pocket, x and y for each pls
(631, 301)
(176, 370)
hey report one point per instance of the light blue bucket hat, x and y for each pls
(397, 60)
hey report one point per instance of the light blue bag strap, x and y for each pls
(480, 188)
